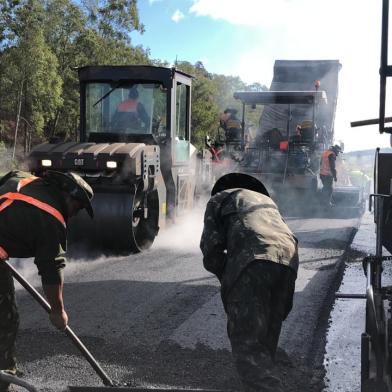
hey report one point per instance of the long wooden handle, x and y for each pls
(68, 331)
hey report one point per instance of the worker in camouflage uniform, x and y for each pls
(231, 125)
(252, 251)
(33, 217)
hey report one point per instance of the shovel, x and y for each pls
(109, 384)
(68, 331)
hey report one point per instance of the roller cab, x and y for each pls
(134, 150)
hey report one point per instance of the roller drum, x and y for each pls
(123, 223)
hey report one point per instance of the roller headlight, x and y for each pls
(111, 164)
(46, 162)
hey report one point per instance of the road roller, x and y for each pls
(133, 148)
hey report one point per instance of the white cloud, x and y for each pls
(177, 16)
(346, 30)
(261, 13)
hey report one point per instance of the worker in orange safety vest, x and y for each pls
(328, 172)
(131, 114)
(33, 217)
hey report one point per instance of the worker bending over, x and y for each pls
(33, 216)
(253, 253)
(328, 172)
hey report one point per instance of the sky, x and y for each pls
(244, 38)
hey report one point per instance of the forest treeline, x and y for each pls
(43, 42)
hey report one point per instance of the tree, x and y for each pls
(113, 19)
(32, 71)
(44, 42)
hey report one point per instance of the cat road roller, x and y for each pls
(134, 150)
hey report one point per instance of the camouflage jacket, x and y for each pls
(241, 226)
(27, 231)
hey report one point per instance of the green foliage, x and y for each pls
(6, 161)
(113, 19)
(43, 42)
(211, 95)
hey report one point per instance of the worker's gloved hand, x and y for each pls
(59, 319)
(335, 179)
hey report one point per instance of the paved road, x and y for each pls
(155, 319)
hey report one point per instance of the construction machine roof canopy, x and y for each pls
(140, 73)
(281, 97)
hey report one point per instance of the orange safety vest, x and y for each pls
(10, 197)
(325, 168)
(130, 105)
(3, 254)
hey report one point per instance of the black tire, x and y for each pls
(144, 228)
(119, 225)
(365, 348)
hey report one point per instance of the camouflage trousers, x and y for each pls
(256, 306)
(9, 322)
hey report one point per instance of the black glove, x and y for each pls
(335, 179)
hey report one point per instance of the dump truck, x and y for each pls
(134, 150)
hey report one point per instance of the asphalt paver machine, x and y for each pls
(280, 156)
(133, 149)
(295, 126)
(297, 123)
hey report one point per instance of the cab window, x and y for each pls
(182, 122)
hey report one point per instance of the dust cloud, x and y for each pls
(185, 233)
(27, 269)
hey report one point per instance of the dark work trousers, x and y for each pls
(327, 190)
(9, 322)
(256, 306)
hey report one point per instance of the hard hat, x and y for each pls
(239, 180)
(74, 185)
(231, 111)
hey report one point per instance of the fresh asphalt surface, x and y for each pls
(155, 319)
(347, 319)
